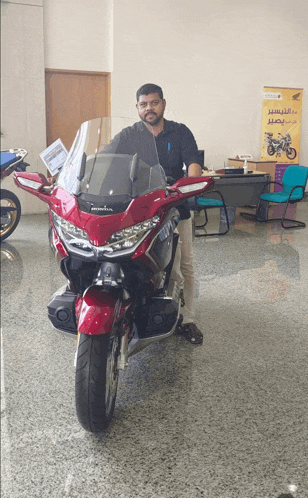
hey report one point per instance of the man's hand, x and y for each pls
(51, 179)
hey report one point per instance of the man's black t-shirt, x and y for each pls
(175, 145)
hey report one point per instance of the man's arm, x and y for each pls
(194, 169)
(189, 151)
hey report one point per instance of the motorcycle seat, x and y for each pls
(6, 158)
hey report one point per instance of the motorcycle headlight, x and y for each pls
(131, 236)
(125, 240)
(75, 238)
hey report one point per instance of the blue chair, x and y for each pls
(204, 203)
(294, 182)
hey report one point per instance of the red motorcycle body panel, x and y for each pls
(96, 314)
(97, 310)
(100, 228)
(60, 251)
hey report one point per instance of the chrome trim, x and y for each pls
(136, 344)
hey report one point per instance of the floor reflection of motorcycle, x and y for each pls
(11, 160)
(113, 218)
(282, 145)
(11, 269)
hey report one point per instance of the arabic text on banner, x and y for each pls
(282, 111)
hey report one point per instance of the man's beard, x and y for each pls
(154, 121)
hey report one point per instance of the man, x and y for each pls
(176, 146)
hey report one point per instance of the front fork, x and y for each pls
(100, 312)
(123, 356)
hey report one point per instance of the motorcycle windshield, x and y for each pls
(108, 165)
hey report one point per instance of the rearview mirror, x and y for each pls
(190, 184)
(34, 181)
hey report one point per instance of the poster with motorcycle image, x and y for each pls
(281, 124)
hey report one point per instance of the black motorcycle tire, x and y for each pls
(11, 220)
(291, 153)
(270, 150)
(96, 380)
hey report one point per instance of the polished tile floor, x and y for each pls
(225, 420)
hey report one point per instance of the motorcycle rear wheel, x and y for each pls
(270, 150)
(291, 153)
(96, 379)
(10, 220)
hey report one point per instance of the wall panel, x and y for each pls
(23, 89)
(212, 60)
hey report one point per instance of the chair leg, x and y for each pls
(227, 220)
(295, 223)
(216, 233)
(206, 219)
(255, 217)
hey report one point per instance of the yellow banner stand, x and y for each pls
(281, 124)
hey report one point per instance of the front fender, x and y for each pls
(97, 311)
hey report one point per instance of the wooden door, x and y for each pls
(73, 97)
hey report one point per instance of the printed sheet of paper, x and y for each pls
(54, 156)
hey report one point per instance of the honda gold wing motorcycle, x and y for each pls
(282, 145)
(113, 220)
(10, 160)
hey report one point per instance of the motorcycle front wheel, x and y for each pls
(291, 153)
(270, 150)
(96, 379)
(10, 213)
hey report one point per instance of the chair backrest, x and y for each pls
(295, 175)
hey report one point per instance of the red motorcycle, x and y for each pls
(113, 220)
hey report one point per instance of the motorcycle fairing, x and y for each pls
(158, 252)
(97, 311)
(58, 247)
(100, 228)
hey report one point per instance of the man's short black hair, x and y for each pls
(149, 88)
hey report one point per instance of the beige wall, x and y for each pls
(23, 88)
(78, 34)
(212, 60)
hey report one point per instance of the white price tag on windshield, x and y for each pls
(54, 156)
